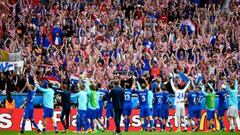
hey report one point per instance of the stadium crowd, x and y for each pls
(148, 41)
(144, 38)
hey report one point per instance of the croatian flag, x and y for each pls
(53, 81)
(190, 27)
(74, 79)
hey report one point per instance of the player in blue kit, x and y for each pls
(29, 109)
(222, 105)
(157, 107)
(198, 109)
(145, 112)
(165, 109)
(82, 108)
(109, 112)
(102, 94)
(127, 104)
(192, 103)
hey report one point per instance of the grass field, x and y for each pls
(129, 133)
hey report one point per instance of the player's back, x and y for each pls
(192, 98)
(102, 93)
(158, 99)
(233, 98)
(223, 97)
(82, 100)
(166, 97)
(48, 97)
(179, 97)
(109, 100)
(30, 98)
(143, 97)
(127, 96)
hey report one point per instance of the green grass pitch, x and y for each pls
(129, 133)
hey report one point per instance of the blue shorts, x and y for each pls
(47, 112)
(165, 112)
(191, 112)
(109, 112)
(81, 113)
(221, 111)
(99, 113)
(127, 109)
(210, 114)
(144, 111)
(157, 111)
(81, 118)
(91, 114)
(198, 111)
(28, 113)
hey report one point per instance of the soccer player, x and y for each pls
(82, 108)
(210, 105)
(144, 105)
(92, 104)
(48, 107)
(232, 114)
(102, 94)
(29, 110)
(127, 104)
(165, 109)
(157, 109)
(192, 101)
(222, 105)
(109, 111)
(179, 103)
(198, 110)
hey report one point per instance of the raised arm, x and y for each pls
(236, 85)
(172, 84)
(203, 90)
(186, 87)
(211, 87)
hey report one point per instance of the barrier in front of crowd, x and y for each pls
(10, 119)
(20, 97)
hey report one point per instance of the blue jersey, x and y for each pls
(166, 97)
(128, 96)
(109, 100)
(192, 98)
(200, 97)
(102, 93)
(158, 99)
(30, 98)
(143, 97)
(223, 96)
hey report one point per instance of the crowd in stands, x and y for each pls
(62, 39)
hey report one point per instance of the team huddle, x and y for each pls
(154, 107)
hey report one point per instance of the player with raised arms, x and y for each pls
(29, 109)
(179, 102)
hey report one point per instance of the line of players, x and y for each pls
(154, 107)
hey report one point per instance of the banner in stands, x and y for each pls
(4, 55)
(10, 119)
(15, 56)
(5, 66)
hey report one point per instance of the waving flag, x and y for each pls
(190, 27)
(213, 39)
(74, 79)
(53, 81)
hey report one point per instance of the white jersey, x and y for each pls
(179, 94)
